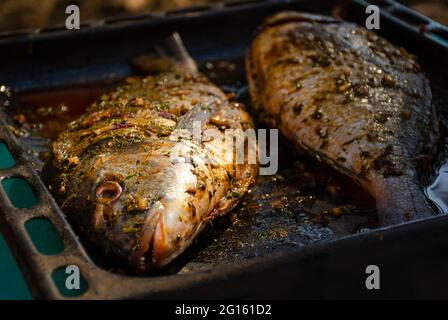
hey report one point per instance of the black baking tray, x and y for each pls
(412, 257)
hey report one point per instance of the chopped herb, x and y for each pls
(130, 176)
(130, 229)
(297, 108)
(232, 194)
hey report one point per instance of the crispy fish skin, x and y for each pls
(349, 98)
(114, 173)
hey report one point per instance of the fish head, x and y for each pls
(142, 205)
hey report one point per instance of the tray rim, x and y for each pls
(45, 289)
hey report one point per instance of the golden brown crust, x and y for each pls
(344, 94)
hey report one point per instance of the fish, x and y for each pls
(128, 174)
(348, 98)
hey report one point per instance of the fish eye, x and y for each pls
(109, 191)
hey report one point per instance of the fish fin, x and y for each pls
(174, 49)
(401, 199)
(152, 64)
(239, 186)
(170, 55)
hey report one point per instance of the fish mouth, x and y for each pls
(155, 246)
(162, 256)
(141, 258)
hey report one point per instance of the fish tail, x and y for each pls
(174, 49)
(401, 199)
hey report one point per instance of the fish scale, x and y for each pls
(351, 99)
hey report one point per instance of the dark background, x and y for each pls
(24, 14)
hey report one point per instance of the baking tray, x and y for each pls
(411, 256)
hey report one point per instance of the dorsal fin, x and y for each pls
(174, 49)
(169, 55)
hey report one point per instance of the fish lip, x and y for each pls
(173, 255)
(145, 261)
(141, 258)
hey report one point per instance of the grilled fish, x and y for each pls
(349, 98)
(131, 177)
